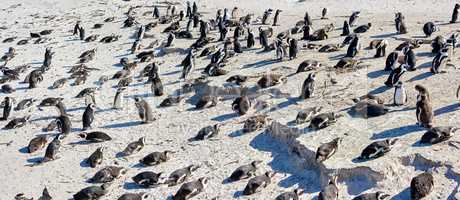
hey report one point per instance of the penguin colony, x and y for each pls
(211, 40)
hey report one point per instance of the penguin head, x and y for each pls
(137, 99)
(145, 195)
(256, 163)
(193, 168)
(398, 84)
(92, 106)
(142, 140)
(203, 181)
(270, 174)
(298, 191)
(312, 76)
(101, 149)
(381, 195)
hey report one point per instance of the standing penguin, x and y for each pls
(306, 32)
(53, 149)
(263, 39)
(381, 49)
(455, 13)
(170, 40)
(251, 39)
(307, 20)
(237, 46)
(429, 28)
(258, 183)
(440, 61)
(391, 61)
(82, 33)
(353, 48)
(293, 48)
(424, 110)
(241, 105)
(395, 75)
(118, 98)
(354, 18)
(267, 14)
(157, 86)
(409, 58)
(308, 87)
(64, 124)
(421, 186)
(140, 33)
(7, 107)
(156, 12)
(345, 29)
(188, 64)
(324, 13)
(276, 18)
(400, 23)
(330, 191)
(327, 150)
(400, 94)
(144, 110)
(88, 116)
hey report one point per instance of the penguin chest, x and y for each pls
(400, 97)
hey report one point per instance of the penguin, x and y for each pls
(381, 48)
(345, 29)
(276, 17)
(354, 18)
(134, 147)
(269, 80)
(308, 87)
(140, 33)
(157, 86)
(400, 23)
(399, 95)
(92, 192)
(53, 149)
(330, 191)
(134, 196)
(17, 123)
(395, 75)
(88, 116)
(245, 171)
(455, 13)
(409, 58)
(118, 98)
(372, 196)
(294, 195)
(327, 150)
(61, 108)
(263, 39)
(293, 48)
(363, 28)
(45, 195)
(170, 40)
(437, 44)
(64, 124)
(323, 120)
(308, 65)
(256, 184)
(108, 174)
(37, 144)
(59, 83)
(251, 39)
(147, 179)
(155, 158)
(188, 64)
(429, 28)
(7, 89)
(241, 105)
(306, 32)
(267, 14)
(76, 28)
(307, 20)
(439, 61)
(96, 157)
(255, 123)
(34, 77)
(324, 13)
(305, 115)
(82, 33)
(424, 110)
(421, 186)
(191, 189)
(354, 47)
(377, 149)
(7, 107)
(181, 175)
(144, 110)
(438, 134)
(207, 132)
(207, 101)
(391, 61)
(95, 136)
(171, 101)
(237, 46)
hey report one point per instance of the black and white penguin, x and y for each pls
(191, 189)
(76, 28)
(156, 12)
(207, 101)
(181, 175)
(263, 39)
(95, 136)
(96, 157)
(440, 60)
(45, 195)
(134, 196)
(307, 20)
(381, 48)
(455, 13)
(64, 124)
(108, 174)
(147, 179)
(237, 46)
(306, 32)
(118, 99)
(140, 33)
(354, 18)
(293, 195)
(438, 43)
(92, 192)
(251, 39)
(323, 120)
(170, 40)
(391, 61)
(34, 78)
(188, 64)
(17, 123)
(266, 15)
(354, 47)
(155, 158)
(308, 87)
(276, 17)
(372, 196)
(399, 95)
(363, 28)
(438, 134)
(53, 149)
(207, 132)
(293, 48)
(421, 186)
(7, 107)
(134, 147)
(305, 115)
(400, 23)
(330, 191)
(245, 171)
(377, 149)
(88, 116)
(395, 75)
(324, 13)
(37, 143)
(345, 29)
(308, 65)
(144, 110)
(424, 110)
(256, 184)
(409, 58)
(327, 150)
(429, 28)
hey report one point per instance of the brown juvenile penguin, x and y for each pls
(424, 110)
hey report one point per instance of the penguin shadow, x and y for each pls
(173, 82)
(71, 40)
(138, 166)
(84, 163)
(420, 76)
(225, 117)
(238, 194)
(424, 54)
(290, 101)
(378, 73)
(260, 63)
(397, 132)
(171, 73)
(81, 142)
(131, 186)
(447, 109)
(237, 133)
(35, 160)
(338, 57)
(425, 65)
(419, 144)
(385, 35)
(405, 194)
(76, 109)
(145, 95)
(379, 90)
(123, 125)
(24, 150)
(120, 56)
(22, 88)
